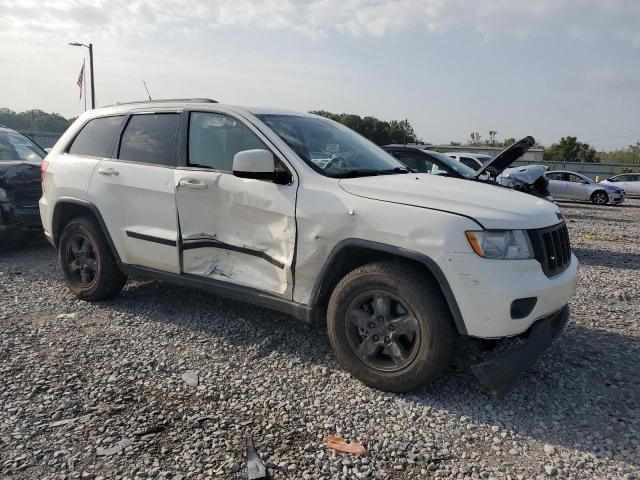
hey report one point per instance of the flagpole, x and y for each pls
(84, 83)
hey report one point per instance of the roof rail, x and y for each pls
(167, 100)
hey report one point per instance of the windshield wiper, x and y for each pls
(356, 173)
(391, 171)
(370, 173)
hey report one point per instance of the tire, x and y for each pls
(402, 363)
(87, 263)
(599, 197)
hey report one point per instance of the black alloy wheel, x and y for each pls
(383, 333)
(80, 256)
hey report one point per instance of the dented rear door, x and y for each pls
(232, 229)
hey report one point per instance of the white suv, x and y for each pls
(297, 213)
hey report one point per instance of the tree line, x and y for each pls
(380, 132)
(34, 120)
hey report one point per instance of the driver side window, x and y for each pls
(214, 139)
(419, 163)
(575, 179)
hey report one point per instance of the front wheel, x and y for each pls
(390, 326)
(599, 198)
(88, 266)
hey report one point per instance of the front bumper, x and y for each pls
(15, 222)
(9, 227)
(485, 291)
(498, 375)
(616, 198)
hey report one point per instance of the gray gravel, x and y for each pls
(166, 382)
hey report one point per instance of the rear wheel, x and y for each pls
(390, 326)
(88, 266)
(599, 198)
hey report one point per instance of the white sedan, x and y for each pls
(629, 182)
(575, 186)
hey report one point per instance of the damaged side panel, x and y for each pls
(325, 217)
(237, 230)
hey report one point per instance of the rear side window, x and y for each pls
(96, 137)
(149, 138)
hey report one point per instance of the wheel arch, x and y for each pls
(600, 190)
(349, 254)
(67, 208)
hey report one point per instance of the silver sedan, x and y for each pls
(575, 186)
(629, 182)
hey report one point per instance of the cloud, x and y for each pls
(323, 18)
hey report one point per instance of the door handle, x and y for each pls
(109, 172)
(195, 184)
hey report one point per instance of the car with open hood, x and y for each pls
(297, 213)
(529, 179)
(20, 190)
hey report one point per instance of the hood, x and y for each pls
(609, 186)
(492, 206)
(528, 174)
(18, 173)
(506, 157)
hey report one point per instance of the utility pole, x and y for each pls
(93, 88)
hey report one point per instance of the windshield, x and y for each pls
(330, 148)
(449, 162)
(14, 146)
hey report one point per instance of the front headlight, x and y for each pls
(3, 195)
(501, 244)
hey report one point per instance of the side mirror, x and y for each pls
(259, 165)
(484, 176)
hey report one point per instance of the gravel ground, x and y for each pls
(167, 382)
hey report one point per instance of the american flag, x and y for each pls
(81, 79)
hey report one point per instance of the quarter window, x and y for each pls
(149, 138)
(214, 139)
(96, 137)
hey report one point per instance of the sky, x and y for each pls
(546, 68)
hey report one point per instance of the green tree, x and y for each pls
(475, 139)
(380, 132)
(34, 120)
(627, 156)
(569, 149)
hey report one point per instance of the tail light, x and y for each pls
(43, 169)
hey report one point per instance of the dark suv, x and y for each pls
(20, 190)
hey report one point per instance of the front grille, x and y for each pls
(25, 196)
(551, 248)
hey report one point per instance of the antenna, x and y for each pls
(145, 87)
